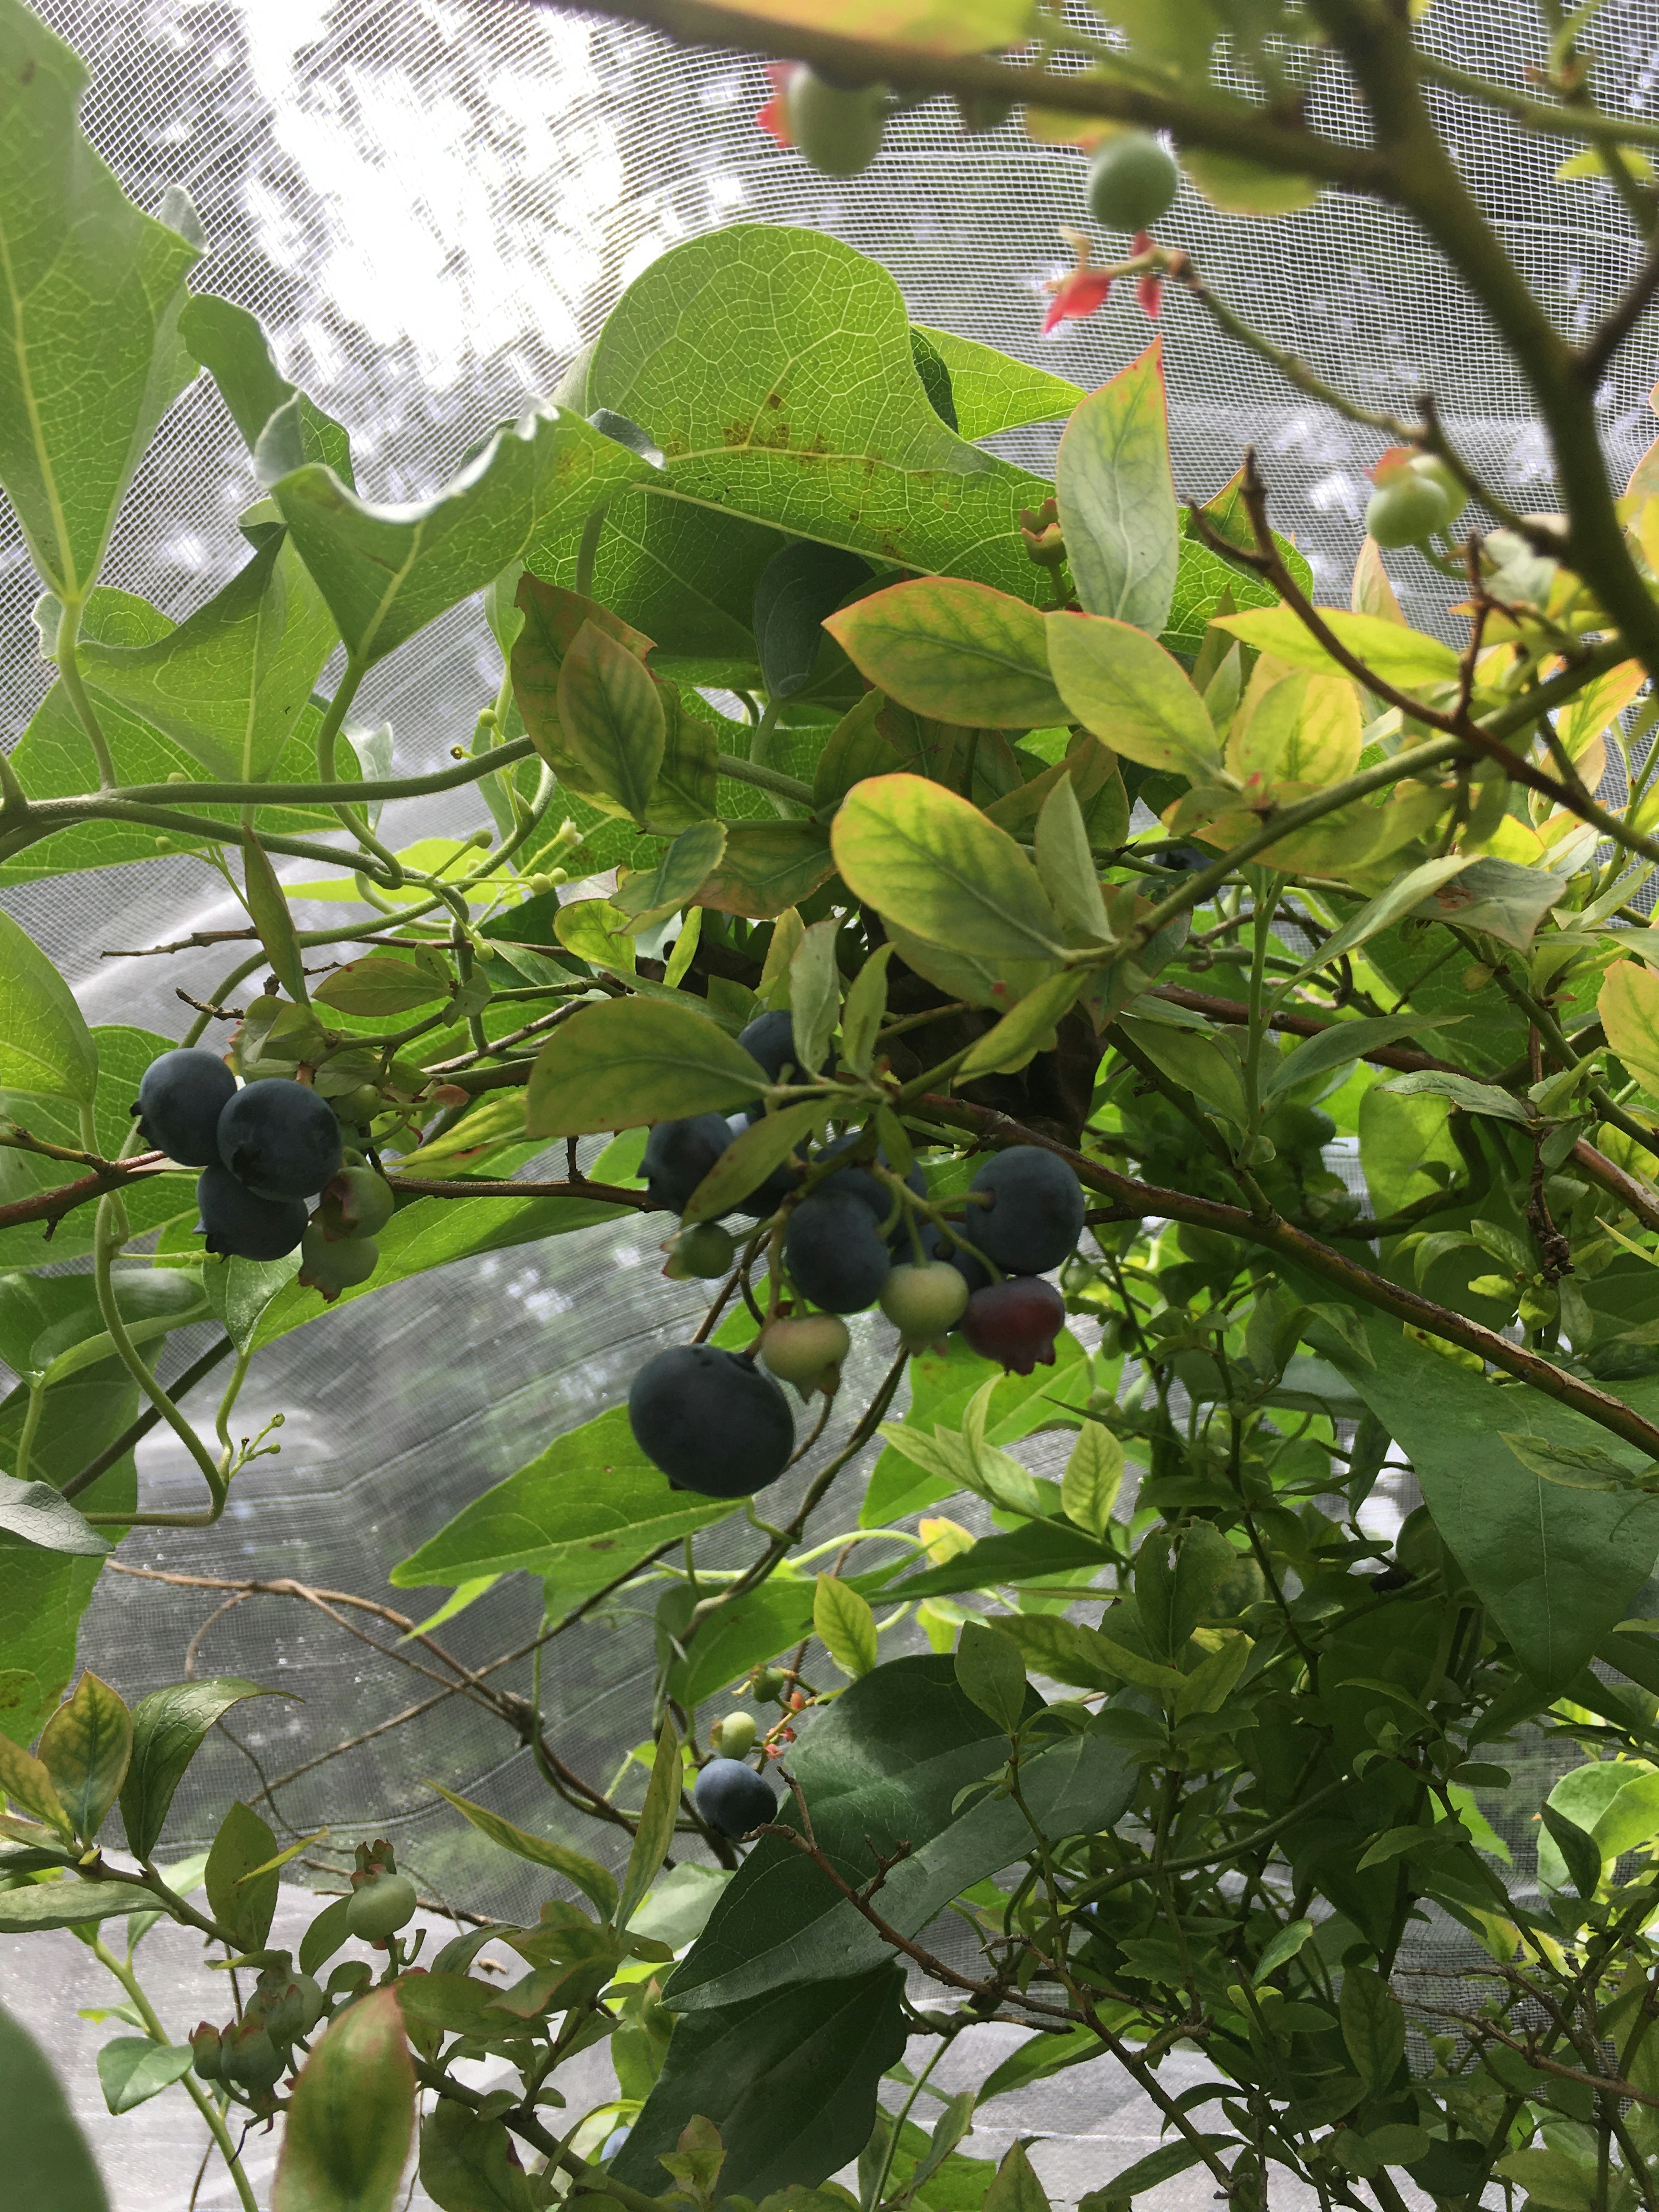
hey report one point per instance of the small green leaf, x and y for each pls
(36, 1515)
(655, 1831)
(230, 345)
(1016, 2187)
(846, 1626)
(1133, 695)
(650, 894)
(612, 1066)
(1117, 497)
(268, 907)
(814, 994)
(612, 717)
(919, 854)
(1284, 1945)
(1373, 2026)
(1094, 1471)
(242, 1907)
(1578, 1467)
(1405, 658)
(863, 1011)
(1581, 1852)
(351, 2115)
(750, 1158)
(29, 1785)
(1161, 2165)
(990, 1673)
(43, 2153)
(324, 1937)
(1065, 863)
(595, 1884)
(468, 2164)
(768, 867)
(1462, 1091)
(1026, 1029)
(46, 1050)
(381, 984)
(71, 1903)
(169, 1726)
(956, 651)
(131, 2070)
(85, 1747)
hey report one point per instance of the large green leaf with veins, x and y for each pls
(228, 684)
(773, 367)
(90, 293)
(386, 571)
(230, 345)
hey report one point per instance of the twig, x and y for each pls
(1609, 333)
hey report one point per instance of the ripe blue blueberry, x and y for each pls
(280, 1139)
(834, 1251)
(234, 1221)
(180, 1097)
(677, 1156)
(733, 1798)
(712, 1422)
(859, 1183)
(1035, 1214)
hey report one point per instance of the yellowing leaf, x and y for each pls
(1135, 696)
(844, 1625)
(1304, 729)
(1629, 1009)
(1403, 657)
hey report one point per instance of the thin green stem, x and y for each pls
(69, 669)
(334, 719)
(125, 1974)
(873, 2196)
(31, 1424)
(766, 779)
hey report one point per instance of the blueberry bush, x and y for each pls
(970, 908)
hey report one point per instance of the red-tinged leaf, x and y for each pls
(352, 2115)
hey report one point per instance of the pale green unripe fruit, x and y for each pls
(837, 130)
(923, 1301)
(1407, 509)
(807, 1353)
(733, 1736)
(1133, 182)
(380, 1907)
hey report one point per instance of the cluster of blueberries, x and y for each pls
(718, 1422)
(264, 1149)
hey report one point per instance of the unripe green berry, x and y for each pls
(766, 1685)
(734, 1736)
(380, 1906)
(1435, 471)
(807, 1352)
(1134, 181)
(836, 129)
(1406, 510)
(704, 1250)
(332, 1265)
(923, 1301)
(357, 1203)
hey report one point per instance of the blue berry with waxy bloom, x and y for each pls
(677, 1156)
(733, 1798)
(181, 1096)
(280, 1139)
(834, 1250)
(712, 1422)
(242, 1226)
(1035, 1214)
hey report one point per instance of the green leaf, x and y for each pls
(1628, 1006)
(1500, 897)
(268, 908)
(468, 2165)
(42, 2152)
(1284, 1945)
(807, 414)
(611, 718)
(795, 594)
(954, 650)
(611, 1067)
(1194, 1062)
(169, 1726)
(70, 1903)
(886, 1764)
(1462, 1091)
(650, 894)
(1065, 1651)
(789, 2079)
(1580, 1851)
(814, 994)
(930, 860)
(1026, 1029)
(845, 1625)
(655, 1831)
(1575, 1466)
(1342, 1042)
(245, 1908)
(131, 2070)
(387, 571)
(230, 345)
(380, 983)
(588, 1876)
(1630, 1819)
(1117, 497)
(1161, 2165)
(34, 1514)
(1016, 2188)
(1065, 863)
(1094, 1471)
(27, 1783)
(1135, 697)
(85, 1747)
(750, 1158)
(229, 683)
(991, 1672)
(1044, 1547)
(90, 291)
(591, 1505)
(1404, 895)
(1373, 2026)
(744, 1633)
(351, 2115)
(768, 867)
(992, 390)
(864, 1012)
(1405, 658)
(47, 1050)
